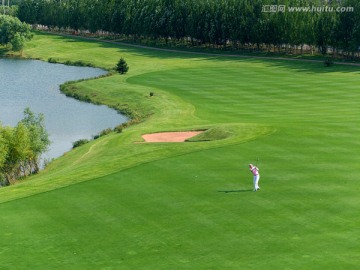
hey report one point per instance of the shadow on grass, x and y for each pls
(308, 65)
(235, 191)
(298, 65)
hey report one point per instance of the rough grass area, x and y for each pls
(114, 204)
(212, 134)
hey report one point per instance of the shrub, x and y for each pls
(119, 128)
(105, 132)
(80, 142)
(328, 62)
(52, 60)
(78, 63)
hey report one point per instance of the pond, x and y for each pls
(35, 84)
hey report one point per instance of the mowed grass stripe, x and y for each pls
(146, 212)
(307, 101)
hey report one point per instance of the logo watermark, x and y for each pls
(284, 8)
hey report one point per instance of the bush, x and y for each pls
(52, 60)
(80, 142)
(122, 67)
(78, 63)
(105, 132)
(119, 128)
(328, 62)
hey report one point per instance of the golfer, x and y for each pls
(255, 171)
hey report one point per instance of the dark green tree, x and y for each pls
(122, 67)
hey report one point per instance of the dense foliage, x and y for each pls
(9, 10)
(219, 22)
(21, 147)
(13, 32)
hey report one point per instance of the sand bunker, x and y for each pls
(170, 136)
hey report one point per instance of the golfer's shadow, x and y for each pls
(235, 191)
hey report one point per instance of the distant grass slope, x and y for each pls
(191, 205)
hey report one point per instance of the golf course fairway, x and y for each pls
(119, 203)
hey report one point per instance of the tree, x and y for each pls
(39, 138)
(243, 23)
(18, 143)
(325, 26)
(122, 67)
(21, 147)
(3, 149)
(14, 33)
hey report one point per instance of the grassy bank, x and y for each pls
(118, 204)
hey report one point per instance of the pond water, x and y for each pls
(35, 84)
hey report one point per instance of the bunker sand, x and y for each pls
(170, 136)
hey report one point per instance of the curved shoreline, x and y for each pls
(47, 96)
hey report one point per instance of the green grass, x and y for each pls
(118, 204)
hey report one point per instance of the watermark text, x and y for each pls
(314, 9)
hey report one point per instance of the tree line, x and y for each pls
(221, 23)
(21, 147)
